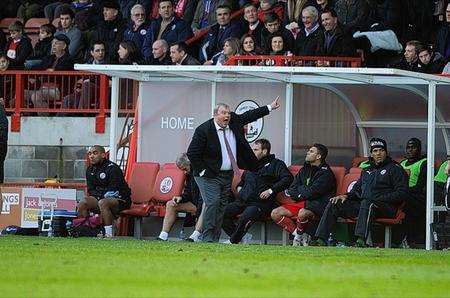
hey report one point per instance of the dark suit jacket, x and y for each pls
(189, 60)
(214, 41)
(204, 151)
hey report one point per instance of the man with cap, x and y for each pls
(379, 191)
(110, 29)
(415, 164)
(59, 58)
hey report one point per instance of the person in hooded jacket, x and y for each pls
(257, 191)
(430, 62)
(379, 192)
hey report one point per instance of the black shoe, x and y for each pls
(159, 239)
(189, 239)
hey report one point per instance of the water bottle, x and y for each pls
(50, 230)
(68, 227)
(181, 235)
(331, 241)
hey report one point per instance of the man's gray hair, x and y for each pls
(182, 161)
(220, 104)
(313, 11)
(136, 6)
(163, 43)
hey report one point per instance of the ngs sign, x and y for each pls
(8, 200)
(252, 130)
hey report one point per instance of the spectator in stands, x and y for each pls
(97, 53)
(108, 192)
(110, 29)
(248, 46)
(230, 48)
(18, 48)
(83, 93)
(269, 6)
(416, 165)
(411, 56)
(272, 24)
(160, 53)
(292, 13)
(254, 25)
(257, 191)
(443, 36)
(6, 81)
(309, 37)
(204, 13)
(3, 138)
(322, 5)
(129, 54)
(87, 13)
(219, 148)
(217, 34)
(2, 41)
(311, 191)
(126, 6)
(43, 47)
(52, 10)
(430, 61)
(59, 58)
(31, 9)
(277, 46)
(189, 202)
(179, 55)
(168, 27)
(353, 14)
(138, 27)
(380, 190)
(335, 41)
(67, 21)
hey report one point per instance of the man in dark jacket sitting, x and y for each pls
(257, 191)
(382, 187)
(311, 190)
(189, 202)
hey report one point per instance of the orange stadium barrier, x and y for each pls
(319, 61)
(62, 93)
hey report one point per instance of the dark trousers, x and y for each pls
(237, 227)
(414, 224)
(3, 151)
(216, 193)
(365, 210)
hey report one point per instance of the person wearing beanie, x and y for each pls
(379, 192)
(415, 164)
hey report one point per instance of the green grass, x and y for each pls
(57, 267)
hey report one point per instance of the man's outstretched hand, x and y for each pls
(275, 103)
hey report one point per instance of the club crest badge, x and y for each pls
(252, 130)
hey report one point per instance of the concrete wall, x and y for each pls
(46, 146)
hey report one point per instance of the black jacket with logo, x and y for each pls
(272, 173)
(313, 183)
(386, 182)
(106, 176)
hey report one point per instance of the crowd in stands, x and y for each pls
(405, 34)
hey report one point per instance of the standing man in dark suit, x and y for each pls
(218, 148)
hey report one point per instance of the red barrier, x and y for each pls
(315, 61)
(62, 93)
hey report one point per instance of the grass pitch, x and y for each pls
(58, 267)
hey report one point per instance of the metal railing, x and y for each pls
(279, 60)
(62, 93)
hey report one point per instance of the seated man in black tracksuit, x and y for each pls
(108, 192)
(311, 191)
(257, 192)
(382, 187)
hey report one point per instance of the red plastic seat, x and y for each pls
(355, 171)
(294, 169)
(339, 173)
(33, 24)
(141, 183)
(4, 24)
(168, 183)
(347, 183)
(357, 160)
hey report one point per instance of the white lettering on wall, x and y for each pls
(177, 123)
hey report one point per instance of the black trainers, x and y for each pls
(160, 239)
(189, 239)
